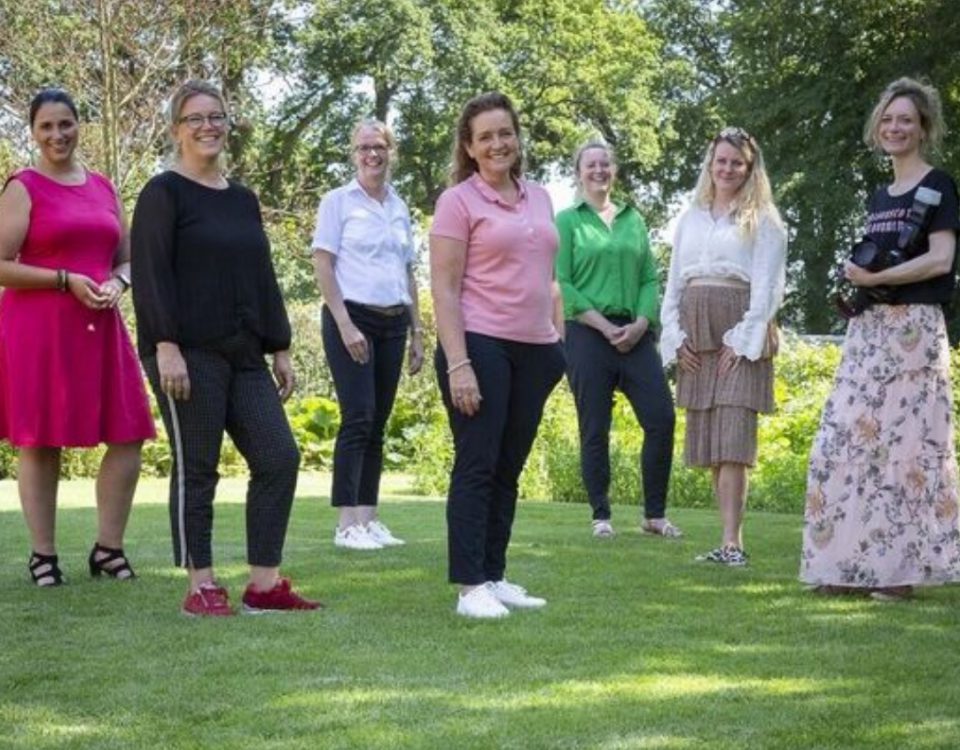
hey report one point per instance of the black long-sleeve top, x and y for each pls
(201, 267)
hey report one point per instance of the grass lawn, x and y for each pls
(639, 647)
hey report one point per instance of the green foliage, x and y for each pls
(802, 77)
(314, 421)
(803, 381)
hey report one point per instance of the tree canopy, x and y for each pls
(655, 78)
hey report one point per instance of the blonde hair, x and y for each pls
(927, 101)
(185, 91)
(578, 156)
(754, 200)
(462, 165)
(380, 128)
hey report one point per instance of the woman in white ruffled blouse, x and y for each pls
(726, 281)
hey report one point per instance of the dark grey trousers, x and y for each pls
(239, 398)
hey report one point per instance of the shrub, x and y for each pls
(804, 376)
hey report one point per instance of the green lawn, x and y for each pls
(640, 647)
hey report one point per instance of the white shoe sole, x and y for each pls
(485, 616)
(525, 605)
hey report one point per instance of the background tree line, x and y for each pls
(655, 78)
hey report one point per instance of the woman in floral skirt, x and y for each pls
(881, 511)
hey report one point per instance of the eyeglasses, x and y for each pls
(365, 148)
(217, 120)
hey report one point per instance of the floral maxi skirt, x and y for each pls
(881, 505)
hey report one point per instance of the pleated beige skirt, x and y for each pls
(721, 411)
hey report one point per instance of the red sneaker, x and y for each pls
(210, 600)
(278, 599)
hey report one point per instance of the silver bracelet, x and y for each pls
(461, 363)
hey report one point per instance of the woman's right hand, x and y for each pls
(355, 342)
(465, 391)
(174, 378)
(687, 358)
(87, 291)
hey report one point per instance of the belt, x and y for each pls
(719, 281)
(390, 311)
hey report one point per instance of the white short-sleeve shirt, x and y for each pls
(372, 243)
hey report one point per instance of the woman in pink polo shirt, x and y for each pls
(492, 248)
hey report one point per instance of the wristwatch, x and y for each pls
(123, 279)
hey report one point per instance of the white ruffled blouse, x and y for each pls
(716, 248)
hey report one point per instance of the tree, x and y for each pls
(120, 60)
(802, 75)
(573, 68)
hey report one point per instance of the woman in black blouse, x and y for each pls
(208, 308)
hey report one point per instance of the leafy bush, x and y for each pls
(804, 376)
(418, 437)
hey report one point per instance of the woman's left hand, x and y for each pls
(626, 337)
(415, 354)
(283, 372)
(112, 289)
(729, 360)
(858, 276)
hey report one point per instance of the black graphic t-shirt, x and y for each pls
(887, 215)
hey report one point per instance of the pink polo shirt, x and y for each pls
(510, 252)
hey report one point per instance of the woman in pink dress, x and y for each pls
(68, 373)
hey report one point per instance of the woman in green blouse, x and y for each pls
(608, 278)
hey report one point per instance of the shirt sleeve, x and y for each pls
(671, 336)
(153, 249)
(277, 333)
(947, 214)
(574, 303)
(648, 298)
(329, 228)
(767, 282)
(451, 218)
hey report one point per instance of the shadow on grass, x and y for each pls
(640, 647)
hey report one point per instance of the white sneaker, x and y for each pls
(381, 535)
(480, 603)
(603, 529)
(514, 596)
(354, 537)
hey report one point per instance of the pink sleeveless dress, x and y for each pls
(68, 374)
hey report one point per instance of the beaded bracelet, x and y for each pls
(461, 363)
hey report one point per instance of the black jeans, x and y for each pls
(366, 394)
(232, 392)
(595, 369)
(491, 447)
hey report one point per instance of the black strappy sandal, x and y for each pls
(114, 563)
(44, 570)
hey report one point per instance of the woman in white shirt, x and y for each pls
(363, 256)
(726, 281)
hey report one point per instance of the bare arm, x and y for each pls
(559, 322)
(937, 261)
(14, 223)
(597, 321)
(415, 356)
(353, 339)
(113, 288)
(448, 259)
